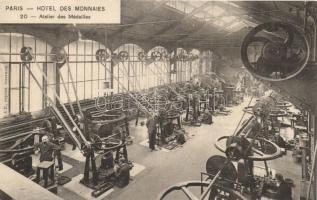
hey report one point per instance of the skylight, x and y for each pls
(218, 23)
(200, 15)
(216, 11)
(228, 18)
(236, 26)
(233, 4)
(213, 13)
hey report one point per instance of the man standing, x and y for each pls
(284, 189)
(279, 140)
(46, 150)
(151, 128)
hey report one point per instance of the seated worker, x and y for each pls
(207, 117)
(151, 127)
(46, 150)
(279, 140)
(284, 191)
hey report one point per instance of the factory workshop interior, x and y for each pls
(181, 100)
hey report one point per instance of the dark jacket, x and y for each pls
(46, 150)
(151, 125)
(284, 191)
(280, 141)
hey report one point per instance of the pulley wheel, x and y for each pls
(166, 55)
(102, 55)
(141, 56)
(216, 163)
(275, 51)
(123, 55)
(58, 55)
(156, 55)
(26, 54)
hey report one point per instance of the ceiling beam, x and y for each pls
(268, 13)
(236, 12)
(219, 30)
(139, 18)
(178, 23)
(202, 26)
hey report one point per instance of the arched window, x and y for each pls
(129, 71)
(181, 65)
(18, 90)
(194, 56)
(158, 67)
(207, 62)
(89, 75)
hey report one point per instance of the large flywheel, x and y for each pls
(275, 51)
(260, 149)
(224, 193)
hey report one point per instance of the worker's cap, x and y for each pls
(45, 138)
(279, 177)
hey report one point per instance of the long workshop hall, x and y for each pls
(183, 99)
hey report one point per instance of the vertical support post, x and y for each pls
(211, 61)
(57, 81)
(9, 77)
(214, 99)
(94, 168)
(314, 128)
(111, 73)
(305, 175)
(20, 89)
(44, 86)
(86, 169)
(206, 69)
(23, 88)
(190, 70)
(311, 186)
(266, 168)
(172, 65)
(200, 63)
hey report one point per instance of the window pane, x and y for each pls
(88, 51)
(95, 71)
(96, 90)
(4, 91)
(73, 72)
(14, 101)
(88, 90)
(81, 50)
(72, 91)
(80, 72)
(88, 69)
(16, 45)
(81, 90)
(5, 47)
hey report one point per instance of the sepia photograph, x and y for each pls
(158, 100)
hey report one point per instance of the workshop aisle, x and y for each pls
(162, 169)
(155, 171)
